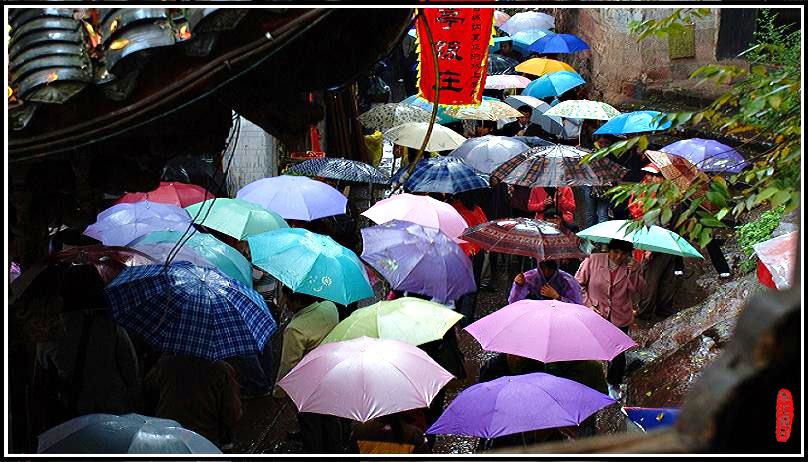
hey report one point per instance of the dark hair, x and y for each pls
(619, 244)
(303, 299)
(525, 108)
(549, 264)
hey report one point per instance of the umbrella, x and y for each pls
(541, 66)
(121, 223)
(364, 378)
(682, 173)
(486, 110)
(418, 259)
(193, 170)
(634, 122)
(174, 193)
(655, 238)
(527, 20)
(412, 135)
(558, 43)
(520, 403)
(422, 210)
(312, 264)
(558, 126)
(340, 169)
(441, 118)
(708, 155)
(204, 246)
(498, 64)
(235, 217)
(125, 434)
(778, 257)
(553, 84)
(160, 251)
(485, 153)
(524, 236)
(444, 174)
(649, 418)
(389, 115)
(408, 319)
(556, 165)
(182, 308)
(505, 81)
(295, 197)
(566, 332)
(583, 109)
(500, 17)
(524, 38)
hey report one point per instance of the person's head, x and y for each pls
(296, 301)
(506, 46)
(525, 110)
(466, 198)
(619, 251)
(548, 268)
(484, 127)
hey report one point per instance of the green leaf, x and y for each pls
(666, 215)
(779, 199)
(716, 198)
(775, 101)
(766, 193)
(721, 214)
(642, 144)
(705, 237)
(712, 222)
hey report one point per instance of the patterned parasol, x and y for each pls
(387, 116)
(556, 165)
(583, 109)
(486, 110)
(498, 64)
(524, 236)
(682, 173)
(340, 169)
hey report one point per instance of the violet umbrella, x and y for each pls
(123, 223)
(708, 155)
(418, 259)
(422, 210)
(295, 197)
(519, 403)
(549, 331)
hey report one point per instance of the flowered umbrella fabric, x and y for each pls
(389, 115)
(525, 236)
(583, 109)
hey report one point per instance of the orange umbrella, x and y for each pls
(541, 66)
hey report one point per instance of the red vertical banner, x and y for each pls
(461, 37)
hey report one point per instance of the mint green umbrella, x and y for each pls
(235, 217)
(655, 238)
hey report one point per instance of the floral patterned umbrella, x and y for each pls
(583, 109)
(486, 110)
(387, 116)
(554, 166)
(524, 236)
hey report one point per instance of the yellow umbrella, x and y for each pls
(541, 66)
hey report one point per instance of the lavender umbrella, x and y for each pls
(418, 259)
(519, 403)
(295, 197)
(123, 223)
(708, 155)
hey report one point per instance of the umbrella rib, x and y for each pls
(560, 406)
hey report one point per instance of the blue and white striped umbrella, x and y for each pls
(446, 174)
(340, 169)
(190, 310)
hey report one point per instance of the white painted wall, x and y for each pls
(255, 157)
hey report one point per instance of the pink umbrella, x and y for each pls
(500, 17)
(505, 81)
(364, 378)
(422, 210)
(174, 193)
(549, 331)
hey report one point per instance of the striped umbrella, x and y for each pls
(554, 166)
(340, 169)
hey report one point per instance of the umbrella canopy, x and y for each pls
(634, 122)
(235, 217)
(527, 20)
(205, 246)
(561, 127)
(485, 153)
(553, 84)
(708, 155)
(487, 110)
(503, 82)
(500, 17)
(389, 115)
(541, 66)
(125, 434)
(364, 378)
(519, 403)
(160, 251)
(558, 43)
(340, 169)
(682, 173)
(498, 64)
(182, 308)
(408, 319)
(418, 259)
(778, 256)
(412, 135)
(174, 193)
(524, 236)
(422, 210)
(583, 109)
(311, 263)
(444, 174)
(194, 170)
(556, 165)
(655, 238)
(295, 197)
(565, 332)
(524, 38)
(121, 223)
(441, 118)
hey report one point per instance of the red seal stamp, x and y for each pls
(785, 415)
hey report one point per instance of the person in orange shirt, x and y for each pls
(559, 199)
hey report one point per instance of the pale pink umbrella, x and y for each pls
(549, 331)
(364, 378)
(422, 210)
(505, 81)
(500, 17)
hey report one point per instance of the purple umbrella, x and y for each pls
(708, 155)
(418, 259)
(519, 403)
(295, 197)
(123, 223)
(549, 330)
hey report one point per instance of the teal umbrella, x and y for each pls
(235, 217)
(311, 263)
(225, 258)
(655, 238)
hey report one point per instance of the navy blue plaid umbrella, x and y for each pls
(446, 174)
(190, 310)
(498, 64)
(340, 169)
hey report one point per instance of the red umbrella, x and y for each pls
(179, 194)
(523, 236)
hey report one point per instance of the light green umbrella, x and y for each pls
(583, 109)
(407, 319)
(655, 238)
(235, 217)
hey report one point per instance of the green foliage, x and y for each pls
(675, 22)
(754, 232)
(773, 44)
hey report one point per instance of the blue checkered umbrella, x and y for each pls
(340, 169)
(446, 174)
(190, 310)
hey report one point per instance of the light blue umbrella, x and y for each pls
(653, 238)
(311, 263)
(634, 122)
(553, 84)
(442, 117)
(558, 43)
(523, 39)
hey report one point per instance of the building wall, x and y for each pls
(255, 157)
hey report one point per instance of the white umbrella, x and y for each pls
(565, 128)
(528, 20)
(505, 81)
(412, 135)
(389, 115)
(583, 109)
(486, 153)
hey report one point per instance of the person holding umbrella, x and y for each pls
(546, 282)
(506, 49)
